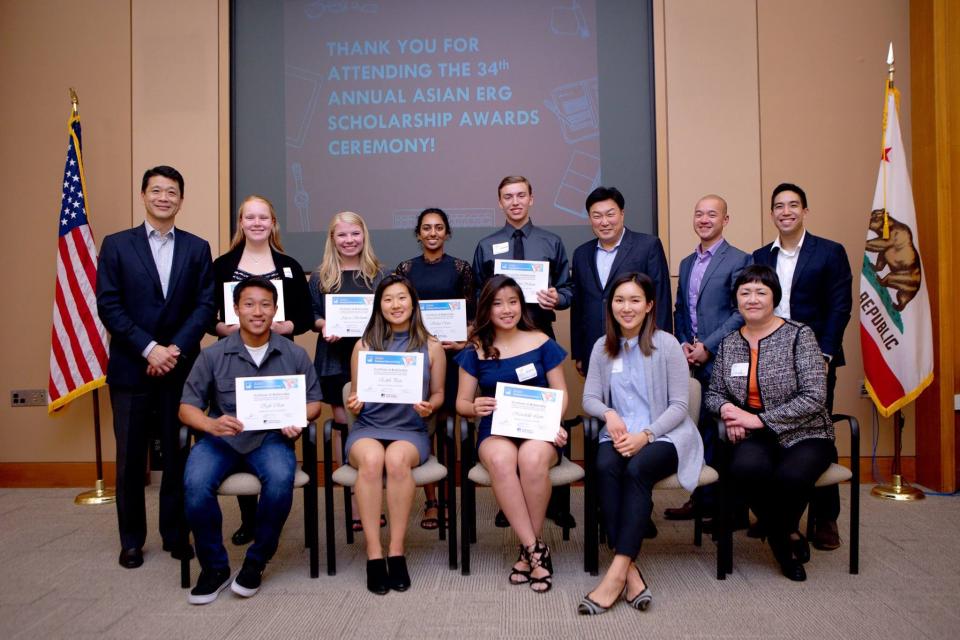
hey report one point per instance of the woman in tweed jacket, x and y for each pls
(769, 387)
(638, 383)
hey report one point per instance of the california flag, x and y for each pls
(895, 333)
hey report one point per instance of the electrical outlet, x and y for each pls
(28, 398)
(863, 390)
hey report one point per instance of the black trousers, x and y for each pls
(625, 487)
(137, 416)
(825, 506)
(777, 483)
(707, 425)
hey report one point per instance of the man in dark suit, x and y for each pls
(704, 313)
(816, 280)
(597, 263)
(155, 297)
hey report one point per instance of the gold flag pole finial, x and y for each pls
(74, 100)
(890, 64)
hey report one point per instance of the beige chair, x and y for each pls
(473, 473)
(429, 472)
(247, 484)
(591, 538)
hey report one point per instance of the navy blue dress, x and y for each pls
(489, 372)
(390, 422)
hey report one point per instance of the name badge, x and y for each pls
(500, 247)
(739, 369)
(287, 272)
(617, 366)
(526, 372)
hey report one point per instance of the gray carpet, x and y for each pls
(60, 579)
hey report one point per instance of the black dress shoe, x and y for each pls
(562, 519)
(242, 536)
(793, 570)
(399, 576)
(182, 551)
(684, 512)
(378, 581)
(131, 558)
(782, 548)
(826, 536)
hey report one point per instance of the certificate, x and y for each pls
(272, 402)
(533, 413)
(390, 377)
(531, 275)
(347, 314)
(445, 319)
(230, 315)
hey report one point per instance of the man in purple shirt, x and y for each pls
(705, 312)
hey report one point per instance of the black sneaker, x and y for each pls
(209, 585)
(247, 582)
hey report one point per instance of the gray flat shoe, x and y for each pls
(590, 607)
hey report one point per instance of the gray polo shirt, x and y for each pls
(212, 381)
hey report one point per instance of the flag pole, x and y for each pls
(100, 494)
(898, 489)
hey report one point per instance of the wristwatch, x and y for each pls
(650, 436)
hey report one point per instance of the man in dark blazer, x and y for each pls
(597, 263)
(155, 297)
(704, 313)
(816, 280)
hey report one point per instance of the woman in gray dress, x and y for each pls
(392, 438)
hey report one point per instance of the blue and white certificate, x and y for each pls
(445, 319)
(531, 275)
(230, 315)
(272, 402)
(347, 314)
(390, 377)
(533, 413)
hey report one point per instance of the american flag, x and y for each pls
(78, 344)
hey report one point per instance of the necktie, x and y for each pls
(518, 244)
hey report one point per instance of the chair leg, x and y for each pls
(328, 507)
(348, 512)
(697, 525)
(185, 573)
(451, 511)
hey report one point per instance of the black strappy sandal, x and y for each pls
(520, 576)
(539, 558)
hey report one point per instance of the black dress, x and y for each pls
(443, 279)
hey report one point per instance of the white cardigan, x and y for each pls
(667, 374)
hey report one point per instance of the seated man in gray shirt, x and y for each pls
(209, 404)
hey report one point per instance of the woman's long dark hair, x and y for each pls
(649, 326)
(378, 330)
(483, 332)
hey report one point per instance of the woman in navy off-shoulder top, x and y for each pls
(506, 347)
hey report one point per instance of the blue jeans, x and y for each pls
(210, 461)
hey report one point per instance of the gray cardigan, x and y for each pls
(668, 382)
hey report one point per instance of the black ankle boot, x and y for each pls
(399, 577)
(377, 579)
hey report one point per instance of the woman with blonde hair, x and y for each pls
(256, 250)
(349, 265)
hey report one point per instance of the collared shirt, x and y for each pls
(786, 266)
(161, 246)
(606, 257)
(538, 244)
(700, 265)
(628, 388)
(212, 381)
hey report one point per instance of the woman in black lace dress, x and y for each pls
(439, 276)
